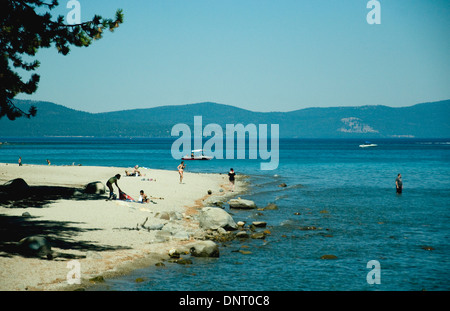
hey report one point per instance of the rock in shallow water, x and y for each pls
(259, 224)
(241, 204)
(271, 206)
(204, 249)
(258, 235)
(242, 235)
(328, 257)
(214, 218)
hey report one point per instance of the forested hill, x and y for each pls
(427, 120)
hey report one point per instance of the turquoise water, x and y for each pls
(344, 193)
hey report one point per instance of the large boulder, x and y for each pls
(96, 187)
(241, 204)
(204, 249)
(214, 218)
(35, 246)
(15, 189)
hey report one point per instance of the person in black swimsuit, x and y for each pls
(231, 175)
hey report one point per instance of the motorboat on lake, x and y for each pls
(196, 155)
(367, 144)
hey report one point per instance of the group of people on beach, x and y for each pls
(143, 198)
(181, 167)
(47, 160)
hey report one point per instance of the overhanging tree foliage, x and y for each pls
(23, 31)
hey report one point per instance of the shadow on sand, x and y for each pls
(18, 194)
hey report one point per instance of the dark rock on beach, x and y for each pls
(35, 246)
(95, 187)
(17, 190)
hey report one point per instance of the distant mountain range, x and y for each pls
(427, 120)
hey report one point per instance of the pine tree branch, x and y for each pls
(32, 111)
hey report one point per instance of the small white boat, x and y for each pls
(196, 155)
(367, 144)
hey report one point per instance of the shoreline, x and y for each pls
(101, 235)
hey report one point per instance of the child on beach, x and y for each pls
(143, 198)
(231, 176)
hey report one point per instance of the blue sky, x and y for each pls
(261, 55)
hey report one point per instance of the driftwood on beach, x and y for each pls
(142, 226)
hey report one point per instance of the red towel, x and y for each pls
(124, 196)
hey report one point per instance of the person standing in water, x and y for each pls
(399, 184)
(181, 168)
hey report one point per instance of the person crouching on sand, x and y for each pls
(109, 184)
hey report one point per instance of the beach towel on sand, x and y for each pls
(125, 197)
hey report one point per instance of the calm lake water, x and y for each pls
(340, 200)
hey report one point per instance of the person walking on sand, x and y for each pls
(109, 184)
(181, 168)
(399, 184)
(20, 161)
(231, 176)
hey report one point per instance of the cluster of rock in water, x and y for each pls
(218, 226)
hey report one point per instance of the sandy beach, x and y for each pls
(100, 234)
